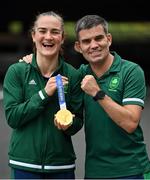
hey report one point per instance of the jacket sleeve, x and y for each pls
(76, 105)
(134, 87)
(18, 111)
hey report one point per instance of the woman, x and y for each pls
(38, 149)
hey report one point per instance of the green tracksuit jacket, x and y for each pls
(36, 144)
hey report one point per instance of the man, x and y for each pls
(114, 98)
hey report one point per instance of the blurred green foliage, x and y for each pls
(15, 27)
(121, 31)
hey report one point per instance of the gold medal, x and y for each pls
(64, 117)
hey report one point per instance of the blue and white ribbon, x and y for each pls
(61, 94)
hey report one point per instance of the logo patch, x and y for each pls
(114, 83)
(32, 82)
(65, 88)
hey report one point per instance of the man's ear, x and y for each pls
(109, 37)
(77, 47)
(63, 39)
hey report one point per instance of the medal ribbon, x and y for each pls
(60, 90)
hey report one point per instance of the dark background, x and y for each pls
(112, 10)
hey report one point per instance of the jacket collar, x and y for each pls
(115, 67)
(57, 71)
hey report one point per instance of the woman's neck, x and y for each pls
(47, 66)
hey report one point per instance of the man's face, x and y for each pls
(94, 44)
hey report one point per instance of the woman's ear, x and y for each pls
(33, 35)
(77, 47)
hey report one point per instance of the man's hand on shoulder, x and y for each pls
(26, 58)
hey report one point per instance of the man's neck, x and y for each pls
(100, 68)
